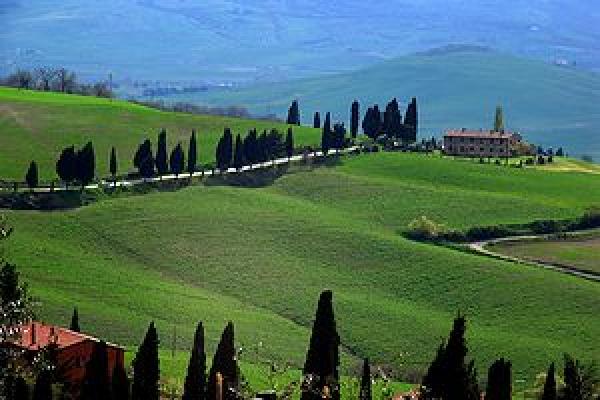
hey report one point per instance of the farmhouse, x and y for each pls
(73, 349)
(481, 143)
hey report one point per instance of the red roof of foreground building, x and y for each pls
(479, 134)
(36, 335)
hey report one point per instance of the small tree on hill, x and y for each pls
(365, 383)
(392, 120)
(411, 121)
(144, 159)
(499, 120)
(289, 143)
(162, 162)
(177, 161)
(75, 321)
(550, 392)
(294, 114)
(146, 368)
(499, 385)
(195, 381)
(225, 364)
(32, 176)
(238, 154)
(322, 358)
(338, 138)
(66, 166)
(354, 119)
(251, 147)
(192, 154)
(86, 164)
(96, 383)
(113, 164)
(326, 135)
(317, 120)
(372, 123)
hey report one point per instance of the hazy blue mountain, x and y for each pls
(551, 105)
(216, 40)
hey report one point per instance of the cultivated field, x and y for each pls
(260, 256)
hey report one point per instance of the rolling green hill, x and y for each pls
(37, 126)
(260, 257)
(551, 105)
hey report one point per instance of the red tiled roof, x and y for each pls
(479, 134)
(37, 335)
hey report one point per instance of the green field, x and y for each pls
(582, 253)
(261, 256)
(37, 126)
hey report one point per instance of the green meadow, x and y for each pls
(261, 256)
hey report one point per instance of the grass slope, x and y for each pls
(553, 106)
(37, 126)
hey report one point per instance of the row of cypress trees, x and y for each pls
(149, 164)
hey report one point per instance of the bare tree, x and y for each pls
(45, 77)
(66, 80)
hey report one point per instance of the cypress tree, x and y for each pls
(113, 166)
(31, 177)
(573, 381)
(338, 136)
(192, 154)
(365, 383)
(317, 120)
(499, 384)
(162, 162)
(372, 123)
(225, 363)
(120, 384)
(238, 154)
(392, 120)
(411, 121)
(195, 381)
(549, 392)
(354, 119)
(146, 368)
(66, 166)
(177, 161)
(250, 147)
(144, 159)
(499, 120)
(42, 389)
(96, 383)
(289, 143)
(294, 114)
(86, 164)
(322, 358)
(75, 321)
(432, 386)
(326, 135)
(227, 148)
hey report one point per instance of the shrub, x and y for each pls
(488, 232)
(547, 226)
(591, 219)
(423, 228)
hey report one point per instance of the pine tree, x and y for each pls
(177, 161)
(75, 321)
(238, 154)
(86, 164)
(549, 392)
(354, 119)
(294, 114)
(66, 166)
(365, 383)
(326, 142)
(499, 384)
(573, 381)
(96, 383)
(225, 364)
(120, 384)
(146, 368)
(289, 143)
(42, 389)
(31, 177)
(195, 380)
(144, 159)
(499, 120)
(162, 162)
(113, 164)
(192, 154)
(317, 120)
(411, 121)
(322, 358)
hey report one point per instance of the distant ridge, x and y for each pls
(454, 48)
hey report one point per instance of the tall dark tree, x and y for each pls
(317, 120)
(354, 118)
(32, 177)
(574, 382)
(192, 154)
(322, 358)
(392, 120)
(251, 147)
(411, 121)
(365, 382)
(66, 166)
(338, 138)
(225, 364)
(238, 154)
(372, 123)
(326, 135)
(86, 164)
(549, 392)
(289, 143)
(294, 114)
(42, 389)
(433, 384)
(96, 381)
(113, 165)
(162, 161)
(499, 384)
(75, 321)
(144, 159)
(146, 368)
(195, 381)
(177, 161)
(120, 384)
(225, 150)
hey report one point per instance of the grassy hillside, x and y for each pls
(37, 126)
(261, 256)
(553, 106)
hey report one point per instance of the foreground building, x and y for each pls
(482, 144)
